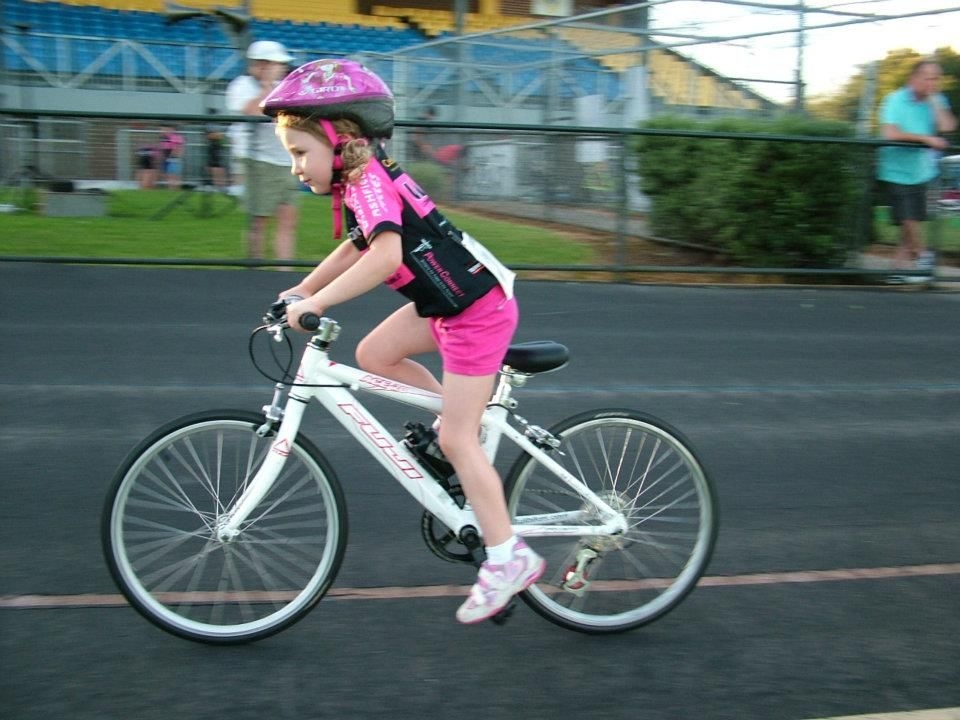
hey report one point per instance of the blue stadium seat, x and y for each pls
(169, 41)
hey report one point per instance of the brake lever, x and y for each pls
(275, 318)
(276, 329)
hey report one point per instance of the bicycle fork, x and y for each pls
(229, 522)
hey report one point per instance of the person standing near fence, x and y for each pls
(216, 171)
(172, 146)
(918, 112)
(270, 190)
(147, 166)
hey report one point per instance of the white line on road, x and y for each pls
(34, 602)
(940, 714)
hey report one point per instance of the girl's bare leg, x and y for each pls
(386, 350)
(464, 400)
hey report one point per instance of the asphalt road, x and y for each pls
(828, 419)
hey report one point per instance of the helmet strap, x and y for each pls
(336, 184)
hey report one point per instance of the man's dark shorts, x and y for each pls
(907, 202)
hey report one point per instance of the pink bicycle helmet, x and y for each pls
(333, 89)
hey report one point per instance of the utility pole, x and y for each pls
(460, 18)
(459, 15)
(867, 98)
(799, 99)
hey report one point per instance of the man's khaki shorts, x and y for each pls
(268, 186)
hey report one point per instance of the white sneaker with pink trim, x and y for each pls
(496, 584)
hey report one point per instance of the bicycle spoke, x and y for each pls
(166, 552)
(643, 472)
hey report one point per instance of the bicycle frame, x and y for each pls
(333, 385)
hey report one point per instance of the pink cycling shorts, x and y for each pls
(475, 341)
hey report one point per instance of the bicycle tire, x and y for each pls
(645, 468)
(159, 540)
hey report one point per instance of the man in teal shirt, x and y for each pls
(915, 113)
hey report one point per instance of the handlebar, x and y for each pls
(310, 322)
(278, 312)
(276, 321)
(324, 331)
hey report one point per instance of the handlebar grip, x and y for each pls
(310, 321)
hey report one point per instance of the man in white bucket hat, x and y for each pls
(270, 189)
(270, 51)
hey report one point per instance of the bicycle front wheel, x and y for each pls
(159, 530)
(645, 469)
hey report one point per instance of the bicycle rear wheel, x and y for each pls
(159, 530)
(645, 469)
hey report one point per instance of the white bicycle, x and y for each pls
(228, 526)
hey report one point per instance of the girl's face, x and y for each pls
(312, 158)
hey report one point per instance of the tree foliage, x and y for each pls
(885, 76)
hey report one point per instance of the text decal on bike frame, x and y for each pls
(385, 444)
(375, 382)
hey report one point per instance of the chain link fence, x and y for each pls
(585, 179)
(530, 118)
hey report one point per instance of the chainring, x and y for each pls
(442, 541)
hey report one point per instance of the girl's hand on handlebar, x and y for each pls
(296, 310)
(297, 292)
(278, 311)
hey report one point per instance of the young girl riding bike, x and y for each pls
(332, 117)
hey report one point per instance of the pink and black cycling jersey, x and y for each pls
(437, 272)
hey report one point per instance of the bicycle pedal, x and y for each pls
(501, 617)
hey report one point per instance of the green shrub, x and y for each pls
(763, 202)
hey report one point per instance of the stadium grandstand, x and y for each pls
(542, 63)
(195, 49)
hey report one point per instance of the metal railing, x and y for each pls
(579, 177)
